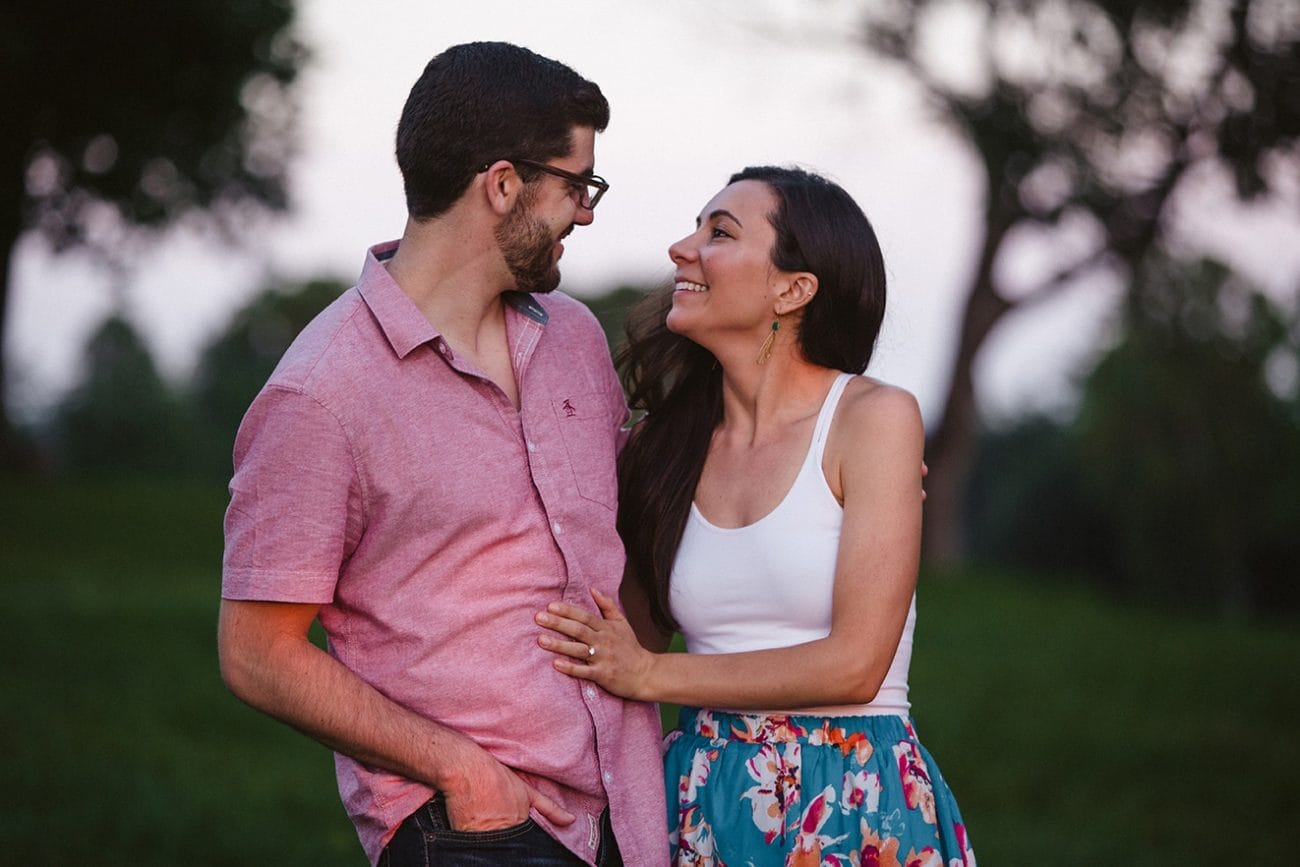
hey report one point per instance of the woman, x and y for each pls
(771, 509)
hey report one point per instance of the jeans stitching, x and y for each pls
(442, 830)
(426, 835)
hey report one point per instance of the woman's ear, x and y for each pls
(797, 293)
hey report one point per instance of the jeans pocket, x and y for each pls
(442, 829)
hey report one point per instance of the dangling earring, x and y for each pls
(765, 351)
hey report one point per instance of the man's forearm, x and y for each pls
(272, 666)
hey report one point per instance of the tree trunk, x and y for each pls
(951, 450)
(15, 455)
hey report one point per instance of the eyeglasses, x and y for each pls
(588, 187)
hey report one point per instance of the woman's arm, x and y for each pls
(877, 443)
(637, 608)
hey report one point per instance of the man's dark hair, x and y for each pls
(485, 101)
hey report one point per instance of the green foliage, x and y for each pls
(1087, 117)
(1192, 453)
(114, 718)
(1176, 482)
(611, 309)
(236, 364)
(1029, 504)
(136, 113)
(152, 108)
(1075, 731)
(122, 419)
(1072, 730)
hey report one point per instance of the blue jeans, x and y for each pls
(426, 839)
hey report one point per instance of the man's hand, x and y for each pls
(485, 795)
(268, 661)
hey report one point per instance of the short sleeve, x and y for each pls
(295, 502)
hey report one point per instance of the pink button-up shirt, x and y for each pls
(388, 479)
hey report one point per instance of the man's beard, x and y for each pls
(527, 244)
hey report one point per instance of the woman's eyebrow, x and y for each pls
(721, 212)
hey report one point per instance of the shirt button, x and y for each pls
(556, 527)
(608, 777)
(532, 447)
(590, 691)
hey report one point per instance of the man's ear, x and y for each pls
(501, 186)
(800, 289)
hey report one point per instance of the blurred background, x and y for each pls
(1090, 212)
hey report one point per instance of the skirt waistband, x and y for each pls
(841, 731)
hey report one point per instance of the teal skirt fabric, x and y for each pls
(790, 791)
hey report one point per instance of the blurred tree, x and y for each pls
(236, 364)
(1087, 116)
(1189, 444)
(136, 113)
(611, 309)
(122, 418)
(1029, 504)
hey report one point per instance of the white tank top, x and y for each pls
(768, 584)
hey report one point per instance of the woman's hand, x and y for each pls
(602, 648)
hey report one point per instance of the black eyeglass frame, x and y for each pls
(584, 183)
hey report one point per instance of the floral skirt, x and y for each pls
(807, 790)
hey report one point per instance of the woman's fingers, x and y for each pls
(571, 612)
(566, 626)
(608, 607)
(576, 649)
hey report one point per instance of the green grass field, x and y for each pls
(1073, 731)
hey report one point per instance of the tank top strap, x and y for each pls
(826, 415)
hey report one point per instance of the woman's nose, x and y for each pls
(681, 250)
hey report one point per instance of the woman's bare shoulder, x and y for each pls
(870, 406)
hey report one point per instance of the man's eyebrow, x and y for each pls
(721, 212)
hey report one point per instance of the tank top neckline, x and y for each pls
(813, 458)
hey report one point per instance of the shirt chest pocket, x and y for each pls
(590, 432)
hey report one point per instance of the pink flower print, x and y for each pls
(915, 776)
(688, 785)
(967, 854)
(876, 851)
(780, 729)
(861, 790)
(695, 842)
(927, 857)
(705, 725)
(776, 770)
(757, 729)
(809, 842)
(855, 743)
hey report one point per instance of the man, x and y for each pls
(431, 463)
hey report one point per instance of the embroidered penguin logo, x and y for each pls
(569, 411)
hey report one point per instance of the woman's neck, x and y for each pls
(758, 399)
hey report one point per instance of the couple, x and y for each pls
(431, 473)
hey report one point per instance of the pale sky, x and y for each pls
(697, 91)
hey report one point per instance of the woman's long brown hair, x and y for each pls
(678, 384)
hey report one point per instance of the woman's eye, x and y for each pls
(719, 232)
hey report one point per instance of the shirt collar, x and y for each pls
(401, 321)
